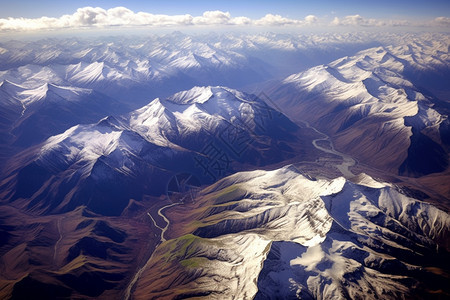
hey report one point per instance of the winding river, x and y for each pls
(162, 239)
(347, 161)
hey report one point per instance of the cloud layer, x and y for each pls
(121, 16)
(96, 17)
(357, 20)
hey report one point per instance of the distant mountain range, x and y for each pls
(159, 65)
(138, 168)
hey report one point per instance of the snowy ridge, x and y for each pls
(161, 122)
(371, 108)
(215, 49)
(371, 82)
(29, 96)
(88, 200)
(148, 62)
(8, 95)
(322, 239)
(148, 145)
(33, 114)
(119, 63)
(373, 73)
(10, 87)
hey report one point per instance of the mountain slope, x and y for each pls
(206, 131)
(372, 111)
(77, 254)
(31, 115)
(280, 233)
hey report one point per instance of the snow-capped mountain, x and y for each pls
(207, 131)
(106, 195)
(132, 70)
(371, 108)
(283, 234)
(31, 115)
(135, 69)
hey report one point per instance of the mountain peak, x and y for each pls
(52, 92)
(110, 122)
(202, 94)
(195, 95)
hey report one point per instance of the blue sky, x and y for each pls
(53, 15)
(251, 9)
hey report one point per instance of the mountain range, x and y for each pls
(207, 131)
(375, 109)
(231, 166)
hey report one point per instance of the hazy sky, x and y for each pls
(252, 9)
(29, 15)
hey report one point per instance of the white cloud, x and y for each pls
(310, 19)
(357, 20)
(218, 17)
(94, 17)
(277, 20)
(270, 20)
(442, 21)
(212, 18)
(122, 16)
